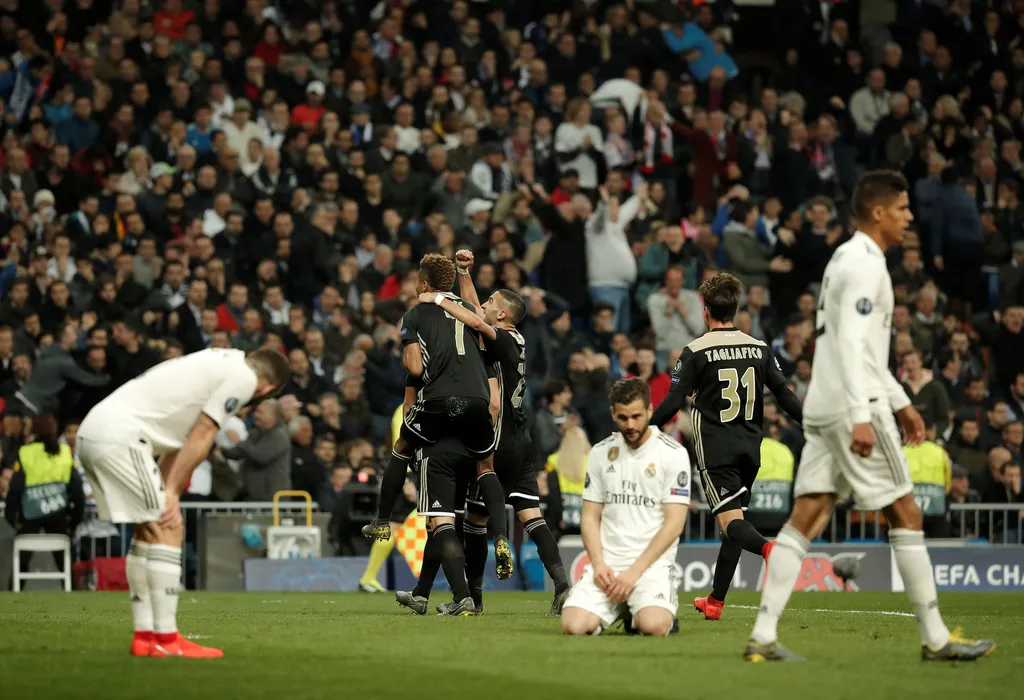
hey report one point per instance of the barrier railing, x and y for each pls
(111, 540)
(994, 523)
(997, 523)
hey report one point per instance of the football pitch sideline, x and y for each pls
(358, 646)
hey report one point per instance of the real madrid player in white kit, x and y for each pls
(139, 447)
(634, 509)
(853, 443)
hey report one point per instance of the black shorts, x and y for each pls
(515, 469)
(443, 480)
(467, 420)
(727, 486)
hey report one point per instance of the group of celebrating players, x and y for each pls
(465, 437)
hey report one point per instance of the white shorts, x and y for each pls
(828, 466)
(657, 588)
(125, 480)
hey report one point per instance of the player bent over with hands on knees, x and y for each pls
(139, 447)
(853, 443)
(634, 509)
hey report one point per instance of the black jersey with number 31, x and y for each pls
(453, 363)
(725, 372)
(508, 353)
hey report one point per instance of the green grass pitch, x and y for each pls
(348, 646)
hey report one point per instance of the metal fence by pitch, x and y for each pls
(993, 523)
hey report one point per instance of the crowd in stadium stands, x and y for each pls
(181, 175)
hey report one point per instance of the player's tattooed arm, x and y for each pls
(669, 533)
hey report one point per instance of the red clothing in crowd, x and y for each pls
(660, 384)
(560, 196)
(225, 319)
(270, 53)
(391, 288)
(172, 25)
(307, 117)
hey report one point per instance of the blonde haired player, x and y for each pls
(853, 444)
(140, 445)
(635, 499)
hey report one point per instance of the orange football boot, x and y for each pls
(711, 608)
(176, 645)
(142, 643)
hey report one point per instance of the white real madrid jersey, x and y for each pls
(633, 486)
(161, 405)
(851, 374)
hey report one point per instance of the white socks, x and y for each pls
(163, 569)
(784, 566)
(916, 569)
(138, 585)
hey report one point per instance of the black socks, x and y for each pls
(494, 500)
(391, 484)
(453, 560)
(476, 559)
(547, 549)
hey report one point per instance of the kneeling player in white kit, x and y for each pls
(140, 445)
(634, 510)
(853, 444)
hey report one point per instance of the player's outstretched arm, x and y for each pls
(682, 386)
(467, 290)
(776, 381)
(669, 533)
(460, 313)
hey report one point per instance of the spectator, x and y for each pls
(53, 371)
(307, 471)
(927, 395)
(957, 235)
(45, 493)
(676, 315)
(265, 455)
(657, 379)
(81, 130)
(870, 103)
(610, 263)
(578, 144)
(748, 261)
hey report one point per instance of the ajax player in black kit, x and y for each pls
(453, 403)
(496, 321)
(725, 372)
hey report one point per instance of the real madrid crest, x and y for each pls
(650, 471)
(613, 452)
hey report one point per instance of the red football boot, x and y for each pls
(142, 643)
(176, 645)
(711, 608)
